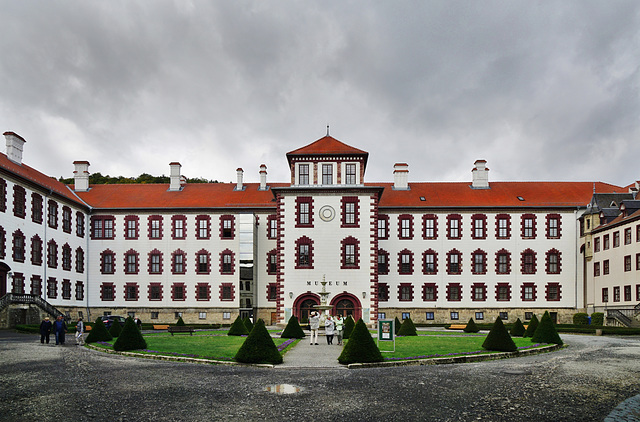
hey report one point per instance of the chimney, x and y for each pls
(175, 179)
(15, 143)
(81, 176)
(480, 175)
(263, 177)
(401, 176)
(240, 185)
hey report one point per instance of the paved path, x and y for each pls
(305, 355)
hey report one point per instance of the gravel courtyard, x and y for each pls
(583, 382)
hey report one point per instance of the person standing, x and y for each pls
(314, 324)
(59, 328)
(80, 332)
(45, 330)
(138, 322)
(339, 326)
(329, 327)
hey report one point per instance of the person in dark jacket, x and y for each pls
(59, 328)
(45, 330)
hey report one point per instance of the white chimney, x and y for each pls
(401, 176)
(15, 143)
(240, 185)
(175, 179)
(81, 176)
(480, 175)
(263, 177)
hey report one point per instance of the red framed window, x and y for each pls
(596, 269)
(79, 224)
(383, 262)
(107, 262)
(131, 262)
(350, 254)
(154, 223)
(203, 292)
(616, 294)
(79, 260)
(36, 208)
(304, 253)
(605, 267)
(503, 262)
(203, 227)
(616, 239)
(553, 263)
(478, 226)
(52, 254)
(303, 174)
(227, 262)
(327, 174)
(553, 292)
(503, 292)
(17, 285)
(478, 292)
(596, 244)
(479, 262)
(627, 263)
(66, 257)
(605, 294)
(605, 242)
(627, 236)
(528, 226)
(179, 262)
(227, 292)
(272, 224)
(454, 262)
(107, 292)
(429, 292)
(350, 173)
(3, 195)
(350, 211)
(454, 226)
(36, 285)
(203, 262)
(155, 292)
(627, 293)
(52, 214)
(304, 211)
(528, 292)
(52, 288)
(36, 249)
(405, 292)
(528, 261)
(179, 227)
(430, 262)
(272, 292)
(3, 243)
(405, 262)
(178, 292)
(383, 292)
(553, 226)
(405, 226)
(227, 227)
(503, 226)
(429, 226)
(19, 201)
(102, 227)
(272, 262)
(383, 226)
(131, 227)
(66, 219)
(66, 289)
(131, 292)
(454, 292)
(155, 262)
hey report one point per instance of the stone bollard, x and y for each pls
(598, 331)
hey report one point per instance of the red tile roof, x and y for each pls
(327, 146)
(34, 176)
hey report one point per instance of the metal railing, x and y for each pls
(10, 298)
(620, 316)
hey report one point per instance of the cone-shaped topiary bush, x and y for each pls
(293, 329)
(471, 327)
(247, 323)
(361, 347)
(546, 331)
(180, 322)
(348, 327)
(531, 328)
(499, 339)
(518, 329)
(259, 347)
(115, 329)
(238, 328)
(397, 324)
(407, 328)
(98, 332)
(130, 337)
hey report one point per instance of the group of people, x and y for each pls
(59, 328)
(333, 325)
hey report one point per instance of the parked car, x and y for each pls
(109, 319)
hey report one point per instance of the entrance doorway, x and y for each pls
(345, 308)
(346, 305)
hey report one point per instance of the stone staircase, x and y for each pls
(624, 317)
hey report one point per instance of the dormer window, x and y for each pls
(350, 174)
(303, 175)
(327, 174)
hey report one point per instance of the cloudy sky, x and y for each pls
(545, 90)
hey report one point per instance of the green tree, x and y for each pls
(361, 347)
(293, 329)
(531, 328)
(130, 337)
(518, 329)
(396, 326)
(597, 318)
(115, 329)
(546, 331)
(407, 328)
(499, 339)
(238, 328)
(247, 323)
(180, 322)
(348, 327)
(98, 332)
(471, 327)
(259, 347)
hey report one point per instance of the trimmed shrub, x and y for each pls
(259, 347)
(247, 323)
(238, 328)
(293, 329)
(180, 322)
(531, 328)
(348, 327)
(361, 347)
(499, 339)
(130, 337)
(597, 318)
(397, 326)
(581, 318)
(407, 328)
(471, 327)
(518, 329)
(115, 329)
(98, 332)
(546, 331)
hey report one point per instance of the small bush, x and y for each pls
(597, 318)
(259, 347)
(247, 323)
(397, 326)
(518, 329)
(361, 347)
(115, 329)
(471, 327)
(531, 328)
(130, 337)
(293, 329)
(238, 328)
(499, 339)
(581, 318)
(407, 328)
(348, 327)
(180, 322)
(98, 332)
(546, 331)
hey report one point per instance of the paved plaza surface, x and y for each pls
(585, 382)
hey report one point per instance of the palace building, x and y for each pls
(434, 251)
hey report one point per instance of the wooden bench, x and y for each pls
(176, 329)
(457, 327)
(161, 327)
